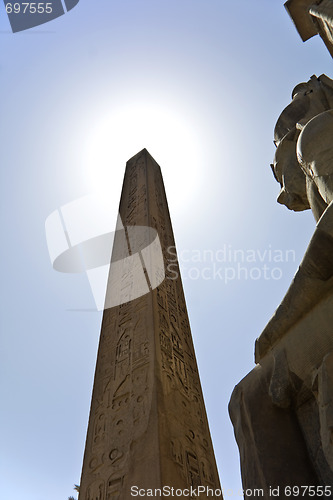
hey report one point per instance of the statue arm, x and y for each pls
(313, 280)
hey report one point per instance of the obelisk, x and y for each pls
(148, 427)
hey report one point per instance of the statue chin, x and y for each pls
(296, 207)
(293, 202)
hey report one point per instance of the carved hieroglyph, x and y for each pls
(147, 425)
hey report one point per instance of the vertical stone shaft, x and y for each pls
(147, 425)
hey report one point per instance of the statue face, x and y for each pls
(306, 125)
(291, 178)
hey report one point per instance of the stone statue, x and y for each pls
(282, 411)
(303, 165)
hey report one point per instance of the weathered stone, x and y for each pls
(312, 17)
(325, 404)
(272, 449)
(299, 12)
(148, 426)
(282, 410)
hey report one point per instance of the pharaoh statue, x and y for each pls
(303, 165)
(282, 411)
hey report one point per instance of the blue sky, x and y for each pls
(200, 85)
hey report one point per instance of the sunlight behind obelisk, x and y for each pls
(124, 131)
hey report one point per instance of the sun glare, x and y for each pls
(125, 131)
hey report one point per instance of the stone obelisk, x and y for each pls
(148, 427)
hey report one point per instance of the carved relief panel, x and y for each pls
(96, 491)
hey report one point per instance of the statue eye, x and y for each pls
(308, 92)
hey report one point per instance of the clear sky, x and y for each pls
(200, 84)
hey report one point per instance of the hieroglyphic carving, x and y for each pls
(121, 395)
(198, 408)
(179, 367)
(193, 469)
(123, 355)
(99, 430)
(207, 471)
(141, 351)
(96, 491)
(114, 487)
(177, 451)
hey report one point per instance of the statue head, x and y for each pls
(309, 99)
